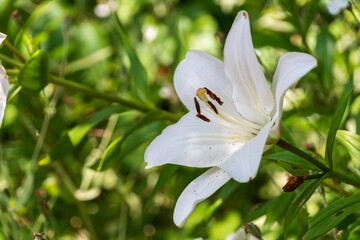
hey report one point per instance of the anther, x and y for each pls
(213, 107)
(197, 105)
(245, 15)
(202, 117)
(213, 96)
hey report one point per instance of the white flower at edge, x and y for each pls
(335, 6)
(2, 38)
(233, 115)
(4, 89)
(4, 84)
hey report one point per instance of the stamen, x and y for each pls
(201, 93)
(213, 107)
(202, 117)
(197, 105)
(213, 96)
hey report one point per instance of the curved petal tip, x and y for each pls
(2, 37)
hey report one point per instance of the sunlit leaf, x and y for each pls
(35, 73)
(335, 123)
(329, 217)
(293, 159)
(351, 142)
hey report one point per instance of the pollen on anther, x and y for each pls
(202, 117)
(213, 107)
(213, 96)
(197, 105)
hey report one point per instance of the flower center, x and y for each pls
(232, 119)
(202, 93)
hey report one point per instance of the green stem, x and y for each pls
(315, 176)
(281, 143)
(125, 102)
(343, 178)
(10, 61)
(14, 50)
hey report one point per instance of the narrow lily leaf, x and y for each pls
(278, 208)
(311, 11)
(113, 152)
(167, 172)
(289, 157)
(351, 142)
(137, 70)
(300, 200)
(267, 207)
(334, 125)
(290, 169)
(278, 40)
(35, 73)
(329, 217)
(24, 192)
(75, 135)
(325, 50)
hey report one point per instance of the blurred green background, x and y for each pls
(131, 48)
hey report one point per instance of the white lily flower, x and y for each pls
(2, 38)
(335, 6)
(4, 89)
(233, 115)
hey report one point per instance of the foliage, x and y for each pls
(91, 87)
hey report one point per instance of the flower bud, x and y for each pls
(293, 183)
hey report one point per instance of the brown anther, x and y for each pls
(213, 107)
(197, 105)
(245, 15)
(213, 96)
(202, 117)
(293, 183)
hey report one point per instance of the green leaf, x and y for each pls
(137, 70)
(278, 40)
(167, 172)
(351, 142)
(329, 217)
(113, 152)
(289, 157)
(76, 134)
(293, 170)
(35, 73)
(334, 125)
(311, 11)
(324, 53)
(278, 207)
(300, 200)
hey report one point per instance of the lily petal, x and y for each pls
(291, 67)
(200, 70)
(191, 142)
(243, 164)
(198, 190)
(251, 93)
(2, 37)
(4, 89)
